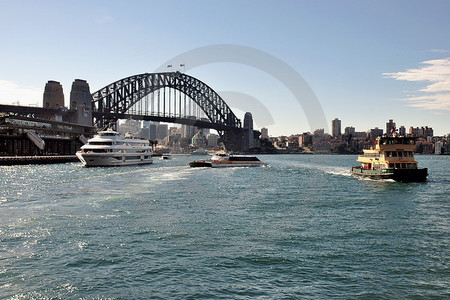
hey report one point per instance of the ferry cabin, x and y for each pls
(390, 153)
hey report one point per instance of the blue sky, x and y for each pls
(366, 61)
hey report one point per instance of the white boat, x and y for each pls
(199, 151)
(107, 148)
(224, 160)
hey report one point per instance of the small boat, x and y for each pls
(199, 151)
(107, 148)
(392, 157)
(166, 156)
(224, 160)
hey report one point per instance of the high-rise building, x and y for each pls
(188, 131)
(53, 95)
(402, 130)
(248, 126)
(152, 127)
(390, 127)
(161, 131)
(376, 132)
(212, 140)
(336, 128)
(349, 130)
(264, 133)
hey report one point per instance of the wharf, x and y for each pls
(28, 160)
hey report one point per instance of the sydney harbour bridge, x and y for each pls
(171, 97)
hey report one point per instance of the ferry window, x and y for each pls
(394, 154)
(400, 154)
(391, 165)
(388, 154)
(397, 165)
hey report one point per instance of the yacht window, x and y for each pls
(100, 143)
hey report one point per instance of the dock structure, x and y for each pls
(27, 160)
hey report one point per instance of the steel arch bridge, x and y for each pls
(171, 97)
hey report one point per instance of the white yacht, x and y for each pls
(224, 160)
(107, 148)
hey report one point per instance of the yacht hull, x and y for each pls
(107, 160)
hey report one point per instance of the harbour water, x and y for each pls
(301, 227)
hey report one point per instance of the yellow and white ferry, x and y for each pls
(392, 157)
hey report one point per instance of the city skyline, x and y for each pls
(366, 62)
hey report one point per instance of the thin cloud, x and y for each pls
(11, 92)
(439, 51)
(436, 94)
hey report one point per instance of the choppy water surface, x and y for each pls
(300, 228)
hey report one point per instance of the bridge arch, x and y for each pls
(122, 99)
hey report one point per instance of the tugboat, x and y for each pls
(224, 160)
(392, 157)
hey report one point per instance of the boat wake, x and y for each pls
(337, 171)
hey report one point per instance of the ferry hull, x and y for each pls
(410, 175)
(400, 175)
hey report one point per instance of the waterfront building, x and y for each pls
(446, 149)
(23, 136)
(438, 147)
(305, 139)
(427, 148)
(336, 128)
